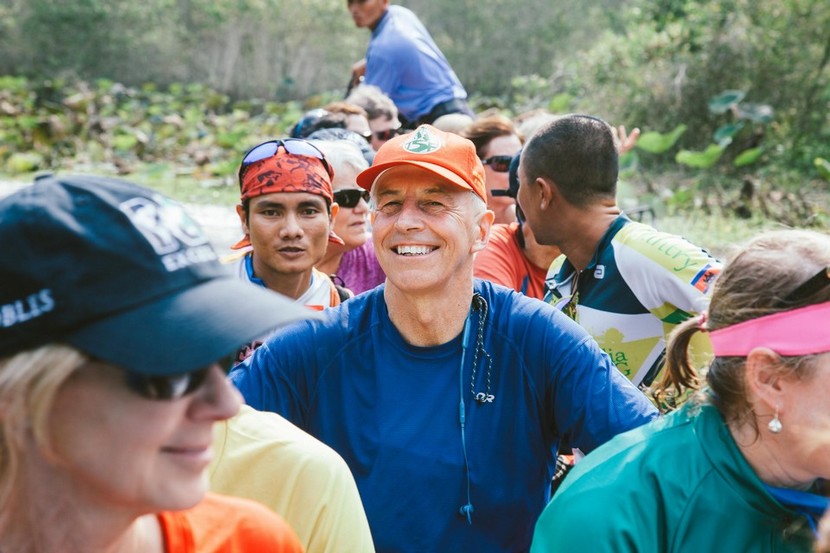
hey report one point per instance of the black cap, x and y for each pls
(125, 275)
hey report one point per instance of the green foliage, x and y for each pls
(657, 143)
(24, 162)
(724, 135)
(748, 157)
(731, 102)
(726, 100)
(674, 55)
(200, 130)
(822, 167)
(186, 82)
(700, 160)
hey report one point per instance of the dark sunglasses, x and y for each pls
(350, 197)
(499, 164)
(166, 388)
(815, 283)
(388, 134)
(293, 146)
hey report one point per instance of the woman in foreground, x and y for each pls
(113, 314)
(742, 465)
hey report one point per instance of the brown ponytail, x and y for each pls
(758, 281)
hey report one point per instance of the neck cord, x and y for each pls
(487, 396)
(480, 304)
(467, 509)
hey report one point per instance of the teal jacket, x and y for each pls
(676, 484)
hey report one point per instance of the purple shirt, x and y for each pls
(359, 269)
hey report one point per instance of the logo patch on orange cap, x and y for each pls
(423, 142)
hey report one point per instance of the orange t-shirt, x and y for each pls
(502, 262)
(222, 524)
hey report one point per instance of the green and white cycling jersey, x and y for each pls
(638, 286)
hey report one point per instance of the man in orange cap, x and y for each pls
(447, 396)
(286, 212)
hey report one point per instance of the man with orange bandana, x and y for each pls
(286, 211)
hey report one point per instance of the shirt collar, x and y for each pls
(567, 268)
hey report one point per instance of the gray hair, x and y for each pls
(342, 154)
(374, 101)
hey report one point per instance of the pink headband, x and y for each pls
(802, 331)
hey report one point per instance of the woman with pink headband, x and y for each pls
(742, 465)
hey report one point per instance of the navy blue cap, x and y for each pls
(305, 125)
(125, 275)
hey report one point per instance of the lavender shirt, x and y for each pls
(360, 270)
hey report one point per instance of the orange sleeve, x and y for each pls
(502, 262)
(497, 261)
(221, 524)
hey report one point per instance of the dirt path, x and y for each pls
(220, 223)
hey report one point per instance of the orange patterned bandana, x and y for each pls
(284, 172)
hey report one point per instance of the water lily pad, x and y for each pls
(724, 135)
(657, 143)
(700, 160)
(758, 113)
(724, 101)
(748, 157)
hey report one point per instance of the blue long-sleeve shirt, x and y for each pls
(392, 411)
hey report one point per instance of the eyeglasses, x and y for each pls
(293, 146)
(499, 192)
(499, 164)
(166, 388)
(388, 134)
(350, 197)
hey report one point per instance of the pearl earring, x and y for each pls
(775, 425)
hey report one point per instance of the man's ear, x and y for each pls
(483, 227)
(243, 218)
(548, 192)
(335, 209)
(765, 381)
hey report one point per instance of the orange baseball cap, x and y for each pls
(447, 155)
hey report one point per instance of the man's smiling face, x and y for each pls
(425, 228)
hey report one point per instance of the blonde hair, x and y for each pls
(29, 381)
(755, 283)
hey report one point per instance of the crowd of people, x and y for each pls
(447, 336)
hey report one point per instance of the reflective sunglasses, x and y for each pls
(499, 164)
(350, 197)
(389, 134)
(292, 146)
(166, 388)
